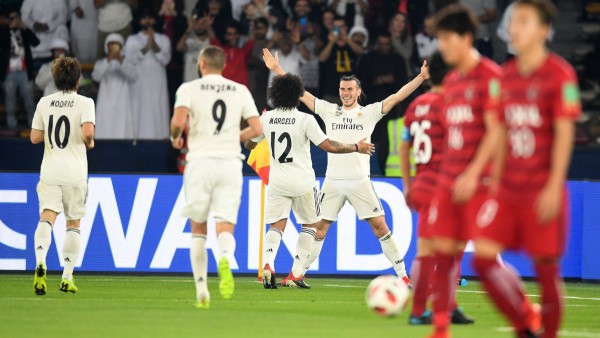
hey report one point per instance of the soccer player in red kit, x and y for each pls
(539, 105)
(471, 93)
(423, 132)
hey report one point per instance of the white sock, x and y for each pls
(303, 249)
(42, 240)
(390, 250)
(272, 242)
(226, 245)
(315, 252)
(199, 260)
(70, 252)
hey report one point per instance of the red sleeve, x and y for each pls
(491, 93)
(566, 98)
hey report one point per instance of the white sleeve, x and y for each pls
(44, 76)
(313, 131)
(89, 112)
(131, 50)
(164, 56)
(26, 10)
(249, 108)
(128, 71)
(100, 69)
(374, 111)
(182, 97)
(38, 122)
(323, 107)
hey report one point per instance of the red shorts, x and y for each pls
(421, 199)
(514, 223)
(451, 220)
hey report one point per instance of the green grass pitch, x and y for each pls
(161, 306)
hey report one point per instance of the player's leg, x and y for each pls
(551, 287)
(227, 245)
(74, 197)
(457, 314)
(421, 276)
(315, 251)
(277, 214)
(197, 186)
(388, 246)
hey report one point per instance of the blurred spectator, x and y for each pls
(114, 109)
(191, 43)
(308, 26)
(44, 79)
(353, 11)
(219, 11)
(172, 23)
(48, 20)
(326, 25)
(16, 67)
(339, 57)
(416, 12)
(114, 16)
(426, 42)
(150, 52)
(402, 42)
(236, 57)
(291, 52)
(382, 73)
(360, 36)
(255, 9)
(84, 29)
(258, 74)
(485, 10)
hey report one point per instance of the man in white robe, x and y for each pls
(84, 29)
(150, 52)
(114, 114)
(48, 20)
(44, 79)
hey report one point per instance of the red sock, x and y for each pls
(420, 276)
(551, 289)
(505, 290)
(453, 301)
(444, 286)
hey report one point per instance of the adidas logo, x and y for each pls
(269, 250)
(200, 279)
(296, 257)
(398, 262)
(39, 248)
(376, 209)
(67, 259)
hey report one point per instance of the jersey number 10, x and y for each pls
(62, 121)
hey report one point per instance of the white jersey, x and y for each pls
(348, 126)
(217, 106)
(60, 116)
(288, 135)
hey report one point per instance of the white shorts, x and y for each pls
(213, 185)
(69, 199)
(360, 193)
(305, 208)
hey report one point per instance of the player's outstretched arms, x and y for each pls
(87, 129)
(362, 147)
(406, 90)
(253, 130)
(272, 62)
(36, 136)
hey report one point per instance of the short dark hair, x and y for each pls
(262, 21)
(437, 69)
(66, 72)
(233, 24)
(545, 9)
(285, 91)
(351, 78)
(458, 19)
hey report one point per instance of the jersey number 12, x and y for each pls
(288, 147)
(62, 121)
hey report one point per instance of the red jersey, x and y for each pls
(529, 107)
(235, 61)
(423, 127)
(467, 98)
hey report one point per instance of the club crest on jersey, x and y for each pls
(339, 111)
(532, 93)
(360, 114)
(470, 93)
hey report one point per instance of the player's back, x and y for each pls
(467, 97)
(60, 116)
(530, 106)
(216, 108)
(288, 134)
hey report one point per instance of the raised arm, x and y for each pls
(406, 90)
(362, 147)
(272, 62)
(253, 130)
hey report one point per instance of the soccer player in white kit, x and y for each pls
(213, 175)
(64, 121)
(348, 175)
(292, 178)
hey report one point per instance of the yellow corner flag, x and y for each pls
(260, 161)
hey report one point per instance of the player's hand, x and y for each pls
(425, 70)
(365, 147)
(90, 145)
(464, 187)
(548, 203)
(177, 143)
(250, 145)
(270, 61)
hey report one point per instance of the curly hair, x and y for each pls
(285, 91)
(66, 72)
